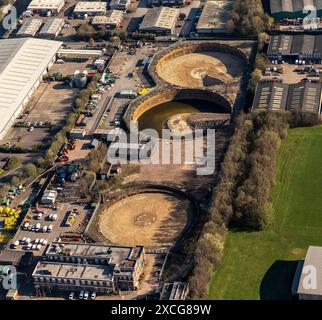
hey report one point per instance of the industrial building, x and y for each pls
(274, 95)
(29, 28)
(52, 27)
(111, 20)
(49, 197)
(292, 9)
(23, 62)
(294, 47)
(160, 20)
(120, 4)
(96, 268)
(90, 8)
(167, 3)
(214, 16)
(45, 6)
(306, 272)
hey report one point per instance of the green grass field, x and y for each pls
(261, 265)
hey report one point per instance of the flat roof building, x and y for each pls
(307, 283)
(214, 16)
(23, 62)
(52, 27)
(49, 197)
(90, 8)
(43, 6)
(302, 97)
(92, 267)
(112, 19)
(160, 20)
(29, 28)
(122, 5)
(302, 46)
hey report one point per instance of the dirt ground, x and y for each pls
(148, 219)
(204, 69)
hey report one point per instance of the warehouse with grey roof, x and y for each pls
(302, 46)
(292, 9)
(23, 62)
(275, 95)
(160, 20)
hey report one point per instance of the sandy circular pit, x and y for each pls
(203, 69)
(148, 219)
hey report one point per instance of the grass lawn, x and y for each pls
(261, 265)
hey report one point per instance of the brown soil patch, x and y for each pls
(198, 70)
(148, 219)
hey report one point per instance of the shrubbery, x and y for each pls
(87, 32)
(247, 18)
(241, 197)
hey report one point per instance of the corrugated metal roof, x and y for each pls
(160, 18)
(279, 6)
(21, 64)
(271, 95)
(30, 27)
(304, 96)
(52, 26)
(297, 44)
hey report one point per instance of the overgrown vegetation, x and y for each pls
(87, 32)
(263, 263)
(241, 198)
(260, 63)
(248, 18)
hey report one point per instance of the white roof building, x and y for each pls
(90, 8)
(160, 20)
(49, 197)
(23, 62)
(112, 18)
(29, 28)
(46, 5)
(52, 27)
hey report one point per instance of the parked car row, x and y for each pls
(37, 227)
(83, 295)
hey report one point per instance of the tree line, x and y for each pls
(241, 198)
